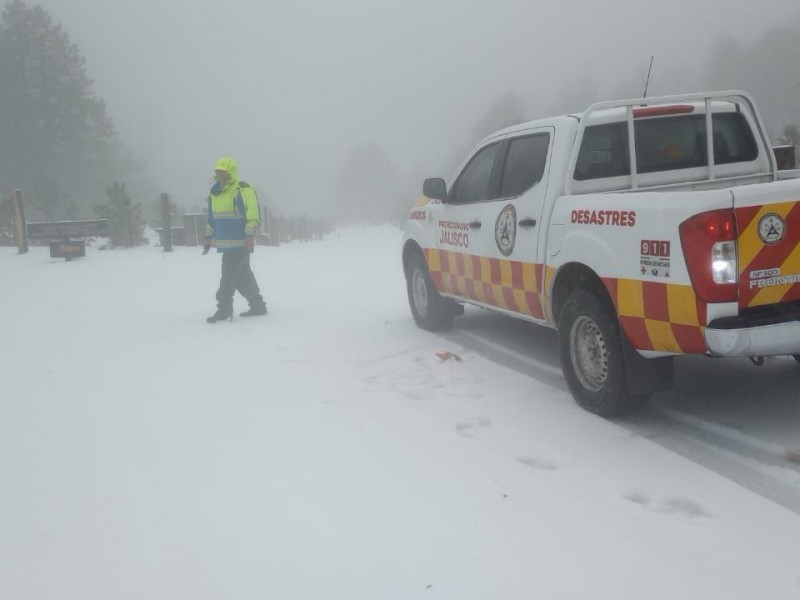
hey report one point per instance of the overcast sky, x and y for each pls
(289, 87)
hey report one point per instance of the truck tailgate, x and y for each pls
(768, 225)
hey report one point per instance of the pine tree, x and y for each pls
(125, 226)
(791, 136)
(55, 137)
(7, 233)
(367, 186)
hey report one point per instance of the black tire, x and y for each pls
(590, 348)
(430, 310)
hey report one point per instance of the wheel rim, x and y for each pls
(588, 353)
(419, 292)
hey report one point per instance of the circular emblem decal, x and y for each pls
(771, 229)
(505, 229)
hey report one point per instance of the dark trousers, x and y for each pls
(237, 276)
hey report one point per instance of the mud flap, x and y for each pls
(646, 376)
(458, 309)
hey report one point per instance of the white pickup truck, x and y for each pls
(640, 229)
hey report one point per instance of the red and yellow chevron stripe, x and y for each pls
(663, 317)
(654, 316)
(508, 284)
(755, 255)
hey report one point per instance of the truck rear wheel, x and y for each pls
(430, 310)
(590, 349)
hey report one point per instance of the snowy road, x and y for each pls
(731, 416)
(325, 451)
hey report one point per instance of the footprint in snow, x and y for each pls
(471, 427)
(674, 504)
(684, 506)
(638, 496)
(538, 463)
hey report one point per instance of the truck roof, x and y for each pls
(758, 162)
(528, 125)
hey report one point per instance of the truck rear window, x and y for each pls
(664, 144)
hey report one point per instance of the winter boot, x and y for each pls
(220, 315)
(255, 311)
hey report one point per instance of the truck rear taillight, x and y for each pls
(709, 247)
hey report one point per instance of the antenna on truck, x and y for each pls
(647, 83)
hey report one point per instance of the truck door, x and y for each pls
(512, 224)
(459, 227)
(768, 229)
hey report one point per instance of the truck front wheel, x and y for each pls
(590, 348)
(429, 309)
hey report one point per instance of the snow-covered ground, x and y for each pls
(324, 451)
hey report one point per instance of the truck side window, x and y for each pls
(604, 152)
(525, 162)
(473, 185)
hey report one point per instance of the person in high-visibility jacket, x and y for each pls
(233, 219)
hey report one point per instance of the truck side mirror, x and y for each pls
(434, 188)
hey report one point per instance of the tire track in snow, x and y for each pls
(758, 465)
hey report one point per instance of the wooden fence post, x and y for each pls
(166, 223)
(21, 229)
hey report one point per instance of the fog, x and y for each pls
(291, 88)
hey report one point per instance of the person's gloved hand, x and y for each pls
(206, 247)
(250, 243)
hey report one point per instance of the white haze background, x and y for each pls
(324, 451)
(290, 88)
